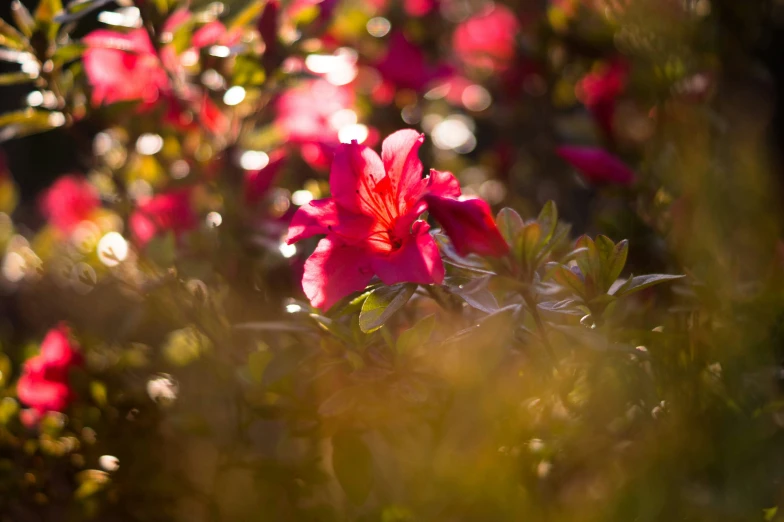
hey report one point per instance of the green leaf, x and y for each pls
(185, 346)
(637, 283)
(15, 78)
(382, 303)
(564, 276)
(416, 336)
(246, 16)
(68, 53)
(613, 258)
(352, 463)
(509, 223)
(22, 17)
(45, 17)
(770, 513)
(548, 220)
(28, 121)
(98, 393)
(560, 234)
(474, 292)
(567, 306)
(527, 244)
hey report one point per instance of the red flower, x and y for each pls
(600, 89)
(44, 382)
(170, 211)
(371, 221)
(123, 67)
(405, 67)
(597, 165)
(257, 182)
(69, 201)
(305, 116)
(487, 40)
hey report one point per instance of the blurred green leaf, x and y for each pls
(382, 303)
(416, 336)
(15, 78)
(67, 53)
(257, 364)
(637, 283)
(98, 393)
(22, 18)
(10, 37)
(353, 465)
(548, 220)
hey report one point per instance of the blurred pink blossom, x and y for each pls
(597, 165)
(43, 385)
(488, 40)
(169, 211)
(69, 201)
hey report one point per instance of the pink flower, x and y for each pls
(123, 67)
(597, 165)
(69, 201)
(600, 89)
(405, 67)
(161, 213)
(44, 382)
(467, 221)
(371, 221)
(257, 182)
(305, 117)
(488, 40)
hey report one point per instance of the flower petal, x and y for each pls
(335, 270)
(324, 216)
(404, 170)
(443, 184)
(469, 224)
(355, 171)
(416, 261)
(597, 165)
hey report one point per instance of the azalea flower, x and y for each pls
(597, 165)
(123, 67)
(404, 65)
(170, 211)
(488, 40)
(305, 116)
(372, 223)
(43, 385)
(69, 201)
(599, 91)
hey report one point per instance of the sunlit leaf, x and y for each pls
(10, 37)
(15, 78)
(382, 303)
